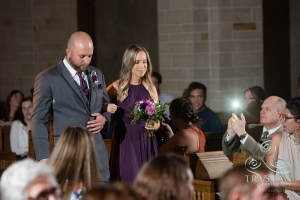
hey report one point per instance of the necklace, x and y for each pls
(296, 140)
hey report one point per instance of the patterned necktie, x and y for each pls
(83, 84)
(264, 137)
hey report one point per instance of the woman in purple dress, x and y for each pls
(131, 147)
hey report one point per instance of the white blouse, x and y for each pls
(18, 138)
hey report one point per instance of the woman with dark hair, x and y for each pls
(189, 133)
(74, 162)
(283, 154)
(166, 177)
(131, 147)
(10, 107)
(20, 128)
(253, 99)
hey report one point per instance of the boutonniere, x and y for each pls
(95, 80)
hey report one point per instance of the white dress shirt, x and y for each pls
(18, 138)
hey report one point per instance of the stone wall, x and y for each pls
(33, 36)
(216, 42)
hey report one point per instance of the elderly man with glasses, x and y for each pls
(29, 180)
(254, 140)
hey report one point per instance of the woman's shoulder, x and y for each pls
(16, 123)
(188, 132)
(115, 84)
(151, 89)
(277, 137)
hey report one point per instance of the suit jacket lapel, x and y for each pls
(67, 76)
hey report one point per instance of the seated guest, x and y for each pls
(27, 179)
(197, 96)
(236, 139)
(253, 98)
(298, 97)
(74, 162)
(115, 191)
(11, 105)
(166, 177)
(20, 128)
(188, 124)
(248, 183)
(284, 152)
(163, 97)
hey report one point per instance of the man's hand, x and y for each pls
(112, 108)
(96, 125)
(153, 127)
(44, 161)
(230, 131)
(238, 125)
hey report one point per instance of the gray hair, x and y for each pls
(16, 178)
(281, 104)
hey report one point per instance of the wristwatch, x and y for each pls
(243, 136)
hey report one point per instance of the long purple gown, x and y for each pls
(131, 147)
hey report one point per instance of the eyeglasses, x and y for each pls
(44, 195)
(285, 118)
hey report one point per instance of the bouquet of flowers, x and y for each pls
(149, 111)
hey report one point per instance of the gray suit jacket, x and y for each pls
(251, 145)
(56, 93)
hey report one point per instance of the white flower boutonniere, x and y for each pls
(95, 80)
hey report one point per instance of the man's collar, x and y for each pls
(200, 109)
(272, 130)
(69, 67)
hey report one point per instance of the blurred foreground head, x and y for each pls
(27, 179)
(166, 177)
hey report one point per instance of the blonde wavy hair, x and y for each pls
(74, 160)
(125, 73)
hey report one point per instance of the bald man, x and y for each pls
(73, 92)
(236, 139)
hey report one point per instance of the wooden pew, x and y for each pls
(183, 151)
(239, 158)
(224, 116)
(6, 159)
(5, 139)
(213, 141)
(204, 190)
(31, 153)
(209, 165)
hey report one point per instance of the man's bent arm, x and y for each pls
(230, 146)
(42, 102)
(253, 148)
(105, 100)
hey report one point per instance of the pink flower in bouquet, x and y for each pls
(150, 109)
